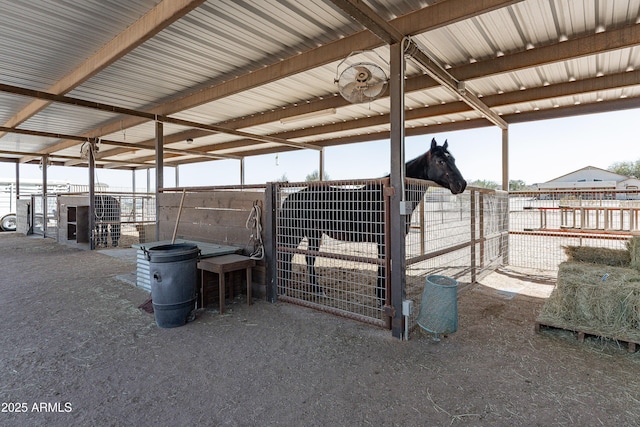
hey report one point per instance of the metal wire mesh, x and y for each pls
(462, 236)
(330, 242)
(541, 223)
(44, 219)
(330, 246)
(123, 219)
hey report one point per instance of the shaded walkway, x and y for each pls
(73, 339)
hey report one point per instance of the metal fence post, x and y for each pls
(270, 242)
(473, 236)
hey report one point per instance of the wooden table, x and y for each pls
(225, 264)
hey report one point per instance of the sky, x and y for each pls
(538, 152)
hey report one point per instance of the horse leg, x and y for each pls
(104, 233)
(290, 239)
(314, 245)
(100, 231)
(286, 271)
(115, 234)
(380, 282)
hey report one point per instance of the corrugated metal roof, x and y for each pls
(250, 65)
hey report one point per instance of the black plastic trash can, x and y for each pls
(173, 274)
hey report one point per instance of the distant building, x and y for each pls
(592, 178)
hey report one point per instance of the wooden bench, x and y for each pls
(225, 264)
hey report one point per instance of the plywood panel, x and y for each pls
(215, 216)
(217, 199)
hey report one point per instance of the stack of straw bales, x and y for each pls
(598, 292)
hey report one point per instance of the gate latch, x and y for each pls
(389, 310)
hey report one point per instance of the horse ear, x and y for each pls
(446, 144)
(434, 144)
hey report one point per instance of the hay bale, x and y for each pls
(614, 257)
(633, 246)
(582, 300)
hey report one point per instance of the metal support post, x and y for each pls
(396, 245)
(159, 171)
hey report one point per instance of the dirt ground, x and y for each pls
(76, 350)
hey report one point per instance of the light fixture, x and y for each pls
(189, 140)
(462, 88)
(306, 116)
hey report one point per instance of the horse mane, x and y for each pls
(415, 168)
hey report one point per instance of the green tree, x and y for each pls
(483, 183)
(315, 175)
(517, 185)
(626, 168)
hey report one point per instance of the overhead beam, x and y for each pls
(435, 16)
(529, 116)
(608, 82)
(391, 35)
(40, 155)
(203, 154)
(615, 39)
(128, 145)
(147, 116)
(157, 19)
(592, 44)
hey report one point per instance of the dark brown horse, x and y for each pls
(107, 214)
(356, 215)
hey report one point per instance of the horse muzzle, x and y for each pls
(458, 187)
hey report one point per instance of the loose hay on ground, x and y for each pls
(597, 298)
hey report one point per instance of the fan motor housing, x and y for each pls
(362, 82)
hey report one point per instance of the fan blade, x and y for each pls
(375, 90)
(348, 89)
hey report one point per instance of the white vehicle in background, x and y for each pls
(8, 193)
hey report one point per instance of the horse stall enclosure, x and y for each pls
(231, 216)
(541, 223)
(120, 219)
(463, 236)
(330, 242)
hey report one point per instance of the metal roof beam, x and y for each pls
(157, 19)
(592, 44)
(608, 82)
(147, 116)
(424, 82)
(390, 35)
(22, 153)
(435, 16)
(129, 146)
(568, 111)
(198, 153)
(610, 40)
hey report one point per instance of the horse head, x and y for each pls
(439, 166)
